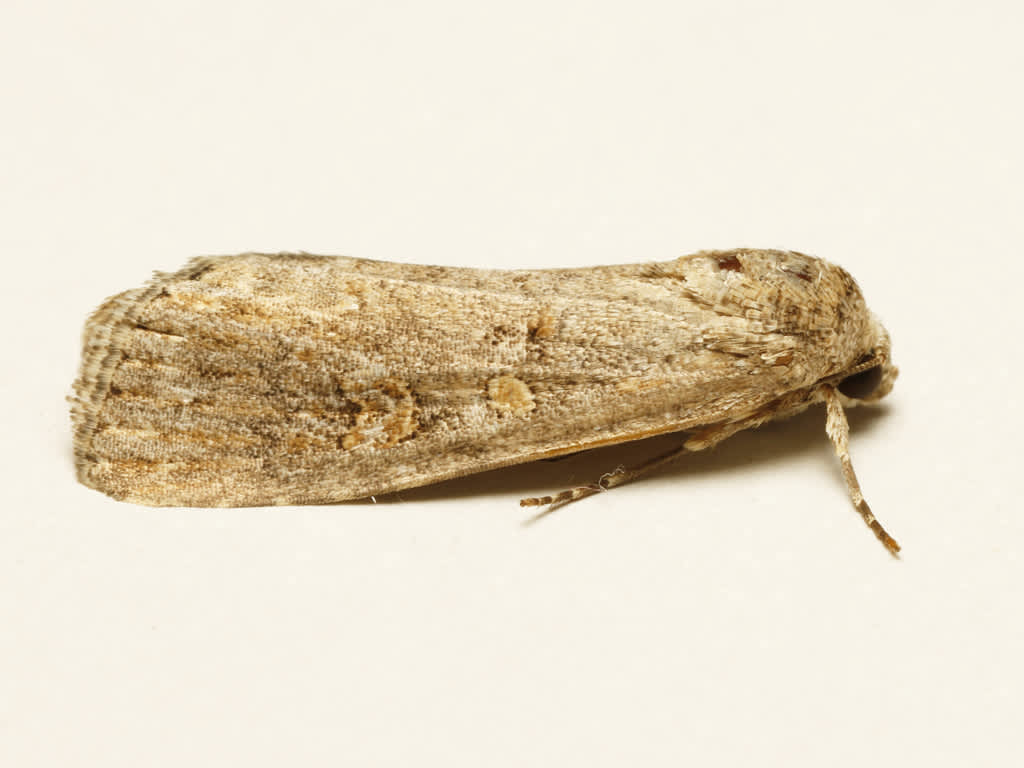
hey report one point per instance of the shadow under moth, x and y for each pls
(264, 379)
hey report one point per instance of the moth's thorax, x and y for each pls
(804, 311)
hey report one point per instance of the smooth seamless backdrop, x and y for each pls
(731, 610)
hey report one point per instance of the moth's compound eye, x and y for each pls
(863, 384)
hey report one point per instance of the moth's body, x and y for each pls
(297, 379)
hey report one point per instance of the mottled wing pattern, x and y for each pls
(285, 379)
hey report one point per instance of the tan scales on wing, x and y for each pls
(283, 379)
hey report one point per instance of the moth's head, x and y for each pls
(871, 375)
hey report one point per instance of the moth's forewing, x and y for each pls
(288, 379)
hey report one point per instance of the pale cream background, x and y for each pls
(733, 611)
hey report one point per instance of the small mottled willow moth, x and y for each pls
(265, 379)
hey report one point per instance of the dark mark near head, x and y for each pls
(730, 263)
(798, 273)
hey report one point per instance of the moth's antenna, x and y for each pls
(838, 430)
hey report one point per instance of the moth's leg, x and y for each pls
(712, 436)
(702, 440)
(608, 481)
(838, 430)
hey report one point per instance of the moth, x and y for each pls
(263, 379)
